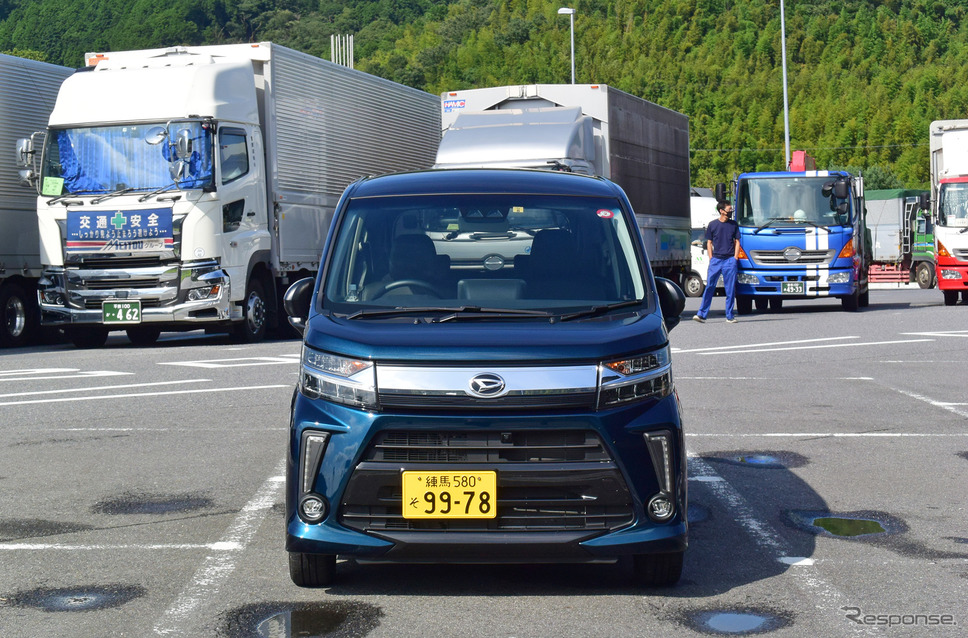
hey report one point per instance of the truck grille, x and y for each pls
(776, 257)
(547, 480)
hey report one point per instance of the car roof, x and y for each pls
(484, 181)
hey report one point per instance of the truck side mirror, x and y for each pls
(298, 300)
(721, 192)
(672, 301)
(183, 144)
(25, 152)
(156, 135)
(924, 201)
(841, 189)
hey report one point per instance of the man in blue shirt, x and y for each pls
(722, 244)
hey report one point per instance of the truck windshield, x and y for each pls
(787, 201)
(479, 253)
(106, 159)
(953, 204)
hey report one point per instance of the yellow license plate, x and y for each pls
(450, 494)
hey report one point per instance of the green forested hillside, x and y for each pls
(865, 77)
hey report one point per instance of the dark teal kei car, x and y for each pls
(485, 377)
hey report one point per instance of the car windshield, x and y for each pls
(788, 201)
(530, 255)
(105, 159)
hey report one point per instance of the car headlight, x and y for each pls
(647, 376)
(338, 379)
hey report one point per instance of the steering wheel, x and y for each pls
(411, 283)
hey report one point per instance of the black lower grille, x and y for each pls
(546, 481)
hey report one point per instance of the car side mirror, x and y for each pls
(298, 301)
(672, 301)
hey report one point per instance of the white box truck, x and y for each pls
(186, 187)
(27, 92)
(583, 128)
(949, 201)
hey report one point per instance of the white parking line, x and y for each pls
(55, 373)
(111, 548)
(761, 345)
(751, 350)
(217, 567)
(147, 394)
(240, 362)
(102, 387)
(828, 597)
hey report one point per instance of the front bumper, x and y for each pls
(816, 282)
(587, 504)
(168, 294)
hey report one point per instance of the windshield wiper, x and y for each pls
(101, 198)
(63, 199)
(594, 311)
(458, 313)
(156, 192)
(769, 222)
(453, 313)
(814, 224)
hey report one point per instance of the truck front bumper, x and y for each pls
(190, 293)
(952, 274)
(833, 282)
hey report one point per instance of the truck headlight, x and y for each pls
(338, 379)
(950, 274)
(839, 278)
(647, 376)
(746, 278)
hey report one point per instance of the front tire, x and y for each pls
(312, 570)
(658, 570)
(924, 275)
(851, 302)
(252, 328)
(744, 304)
(143, 335)
(693, 286)
(17, 317)
(950, 297)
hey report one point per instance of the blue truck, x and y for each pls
(803, 235)
(485, 377)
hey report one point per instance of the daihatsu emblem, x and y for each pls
(792, 253)
(487, 385)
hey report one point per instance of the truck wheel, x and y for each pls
(851, 302)
(17, 319)
(776, 304)
(143, 335)
(950, 297)
(88, 337)
(761, 303)
(865, 298)
(924, 275)
(658, 570)
(312, 570)
(693, 286)
(253, 325)
(744, 304)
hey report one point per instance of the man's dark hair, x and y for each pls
(721, 205)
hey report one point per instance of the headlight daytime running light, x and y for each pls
(647, 376)
(338, 379)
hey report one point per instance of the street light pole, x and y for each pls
(571, 16)
(786, 103)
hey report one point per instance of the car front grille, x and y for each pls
(546, 480)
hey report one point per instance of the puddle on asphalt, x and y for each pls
(302, 620)
(152, 504)
(849, 526)
(21, 528)
(737, 622)
(853, 525)
(772, 460)
(90, 598)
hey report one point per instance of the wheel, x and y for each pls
(744, 304)
(950, 297)
(17, 317)
(776, 304)
(252, 328)
(851, 302)
(312, 570)
(693, 286)
(426, 286)
(924, 275)
(658, 570)
(88, 337)
(143, 335)
(865, 298)
(761, 303)
(964, 296)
